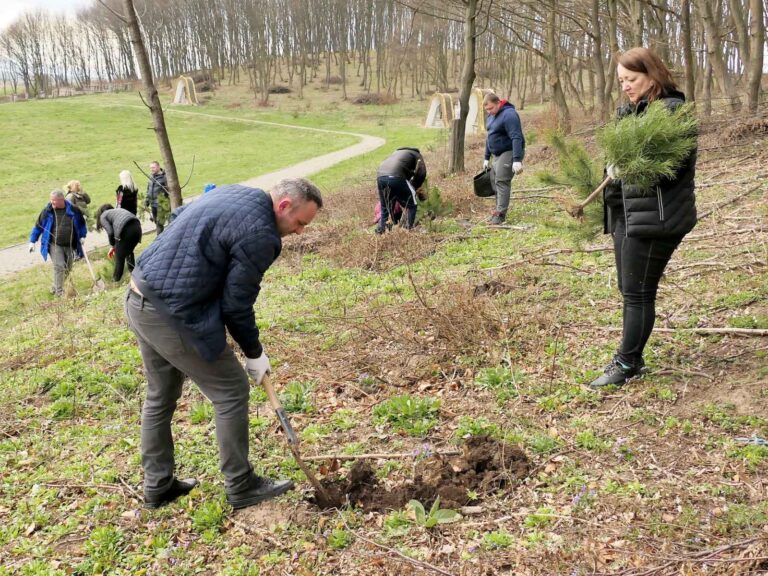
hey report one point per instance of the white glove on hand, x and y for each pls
(31, 247)
(486, 163)
(612, 171)
(258, 367)
(517, 167)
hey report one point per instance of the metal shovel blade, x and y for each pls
(293, 440)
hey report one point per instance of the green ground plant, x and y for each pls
(433, 517)
(413, 415)
(498, 540)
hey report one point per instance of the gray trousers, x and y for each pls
(167, 359)
(62, 258)
(501, 176)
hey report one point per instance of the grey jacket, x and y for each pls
(114, 221)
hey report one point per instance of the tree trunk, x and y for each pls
(756, 43)
(553, 75)
(459, 127)
(715, 47)
(158, 121)
(690, 78)
(598, 66)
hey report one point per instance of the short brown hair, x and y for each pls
(646, 61)
(490, 97)
(298, 189)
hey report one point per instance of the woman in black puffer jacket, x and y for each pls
(647, 224)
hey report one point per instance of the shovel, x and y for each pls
(98, 283)
(293, 440)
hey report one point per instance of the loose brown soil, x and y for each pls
(485, 465)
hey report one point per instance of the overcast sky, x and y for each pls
(11, 9)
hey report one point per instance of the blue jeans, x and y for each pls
(640, 264)
(391, 189)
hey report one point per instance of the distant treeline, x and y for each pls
(529, 50)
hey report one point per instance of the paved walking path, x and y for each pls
(17, 257)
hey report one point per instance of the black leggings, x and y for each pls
(640, 263)
(129, 238)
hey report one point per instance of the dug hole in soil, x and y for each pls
(485, 465)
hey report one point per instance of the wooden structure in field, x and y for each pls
(444, 107)
(185, 91)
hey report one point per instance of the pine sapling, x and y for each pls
(576, 170)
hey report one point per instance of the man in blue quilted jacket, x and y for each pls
(196, 282)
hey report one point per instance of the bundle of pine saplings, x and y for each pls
(649, 146)
(645, 147)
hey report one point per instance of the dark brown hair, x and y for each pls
(103, 208)
(647, 62)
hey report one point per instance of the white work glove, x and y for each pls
(258, 367)
(486, 163)
(517, 167)
(612, 171)
(31, 247)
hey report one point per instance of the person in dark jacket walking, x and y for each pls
(127, 194)
(504, 150)
(62, 228)
(398, 180)
(124, 232)
(196, 282)
(157, 196)
(647, 224)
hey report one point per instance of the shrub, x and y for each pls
(375, 99)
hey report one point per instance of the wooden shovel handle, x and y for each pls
(596, 191)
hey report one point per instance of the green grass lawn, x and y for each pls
(91, 139)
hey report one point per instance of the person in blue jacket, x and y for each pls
(504, 150)
(60, 227)
(197, 281)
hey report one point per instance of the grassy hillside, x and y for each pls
(408, 343)
(45, 144)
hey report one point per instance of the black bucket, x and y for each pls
(483, 184)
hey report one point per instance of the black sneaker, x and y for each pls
(617, 374)
(497, 218)
(178, 488)
(261, 489)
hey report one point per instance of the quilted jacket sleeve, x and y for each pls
(250, 259)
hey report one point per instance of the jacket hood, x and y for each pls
(409, 148)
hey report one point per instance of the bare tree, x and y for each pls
(154, 105)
